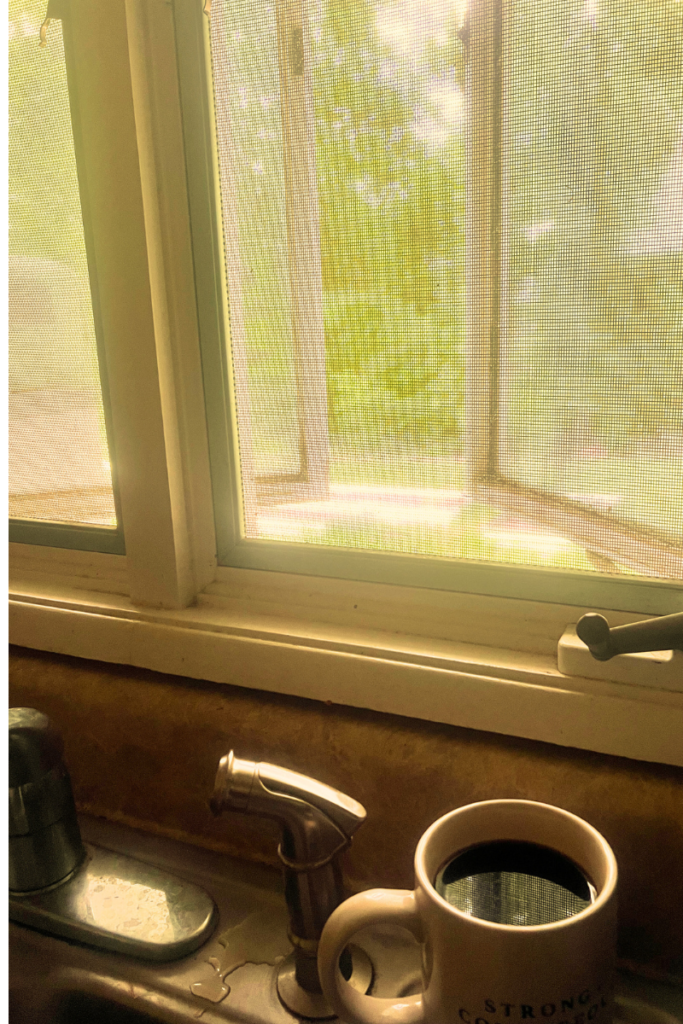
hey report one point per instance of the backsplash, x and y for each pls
(142, 748)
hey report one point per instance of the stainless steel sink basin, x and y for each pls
(232, 978)
(74, 1008)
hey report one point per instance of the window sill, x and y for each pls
(477, 662)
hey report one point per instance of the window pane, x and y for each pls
(58, 457)
(344, 212)
(382, 118)
(594, 346)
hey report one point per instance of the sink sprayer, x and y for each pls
(317, 824)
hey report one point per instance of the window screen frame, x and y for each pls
(48, 533)
(234, 549)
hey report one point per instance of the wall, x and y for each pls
(143, 747)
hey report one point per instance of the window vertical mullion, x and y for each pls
(156, 98)
(151, 496)
(230, 273)
(484, 219)
(303, 231)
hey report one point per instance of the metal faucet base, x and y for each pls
(313, 1005)
(115, 902)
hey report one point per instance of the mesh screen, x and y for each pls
(514, 883)
(594, 255)
(58, 457)
(249, 123)
(341, 134)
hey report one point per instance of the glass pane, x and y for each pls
(594, 346)
(591, 402)
(382, 116)
(59, 466)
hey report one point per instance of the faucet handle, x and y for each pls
(44, 838)
(35, 746)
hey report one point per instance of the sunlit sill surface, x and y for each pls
(232, 977)
(650, 676)
(372, 646)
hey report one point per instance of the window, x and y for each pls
(453, 271)
(60, 473)
(334, 252)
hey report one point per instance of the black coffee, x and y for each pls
(514, 883)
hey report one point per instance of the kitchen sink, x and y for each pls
(231, 979)
(73, 1008)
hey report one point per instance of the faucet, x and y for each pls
(317, 824)
(63, 886)
(44, 838)
(661, 634)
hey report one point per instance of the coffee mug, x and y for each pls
(515, 908)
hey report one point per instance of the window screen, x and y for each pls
(59, 467)
(342, 130)
(248, 111)
(593, 339)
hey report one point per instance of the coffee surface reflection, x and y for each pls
(514, 883)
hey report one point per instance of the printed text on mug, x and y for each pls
(581, 1009)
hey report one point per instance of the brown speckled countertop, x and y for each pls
(143, 747)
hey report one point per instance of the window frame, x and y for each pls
(412, 645)
(232, 506)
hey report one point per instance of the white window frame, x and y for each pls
(237, 494)
(410, 646)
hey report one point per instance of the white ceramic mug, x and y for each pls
(476, 971)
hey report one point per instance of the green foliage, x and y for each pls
(391, 372)
(51, 330)
(44, 202)
(596, 253)
(593, 345)
(592, 340)
(392, 215)
(392, 225)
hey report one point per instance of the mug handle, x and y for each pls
(396, 906)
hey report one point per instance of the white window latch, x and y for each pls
(625, 654)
